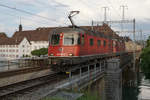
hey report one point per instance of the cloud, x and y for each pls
(4, 28)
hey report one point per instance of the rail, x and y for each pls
(14, 89)
(21, 71)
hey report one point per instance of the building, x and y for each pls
(38, 38)
(13, 49)
(23, 42)
(132, 46)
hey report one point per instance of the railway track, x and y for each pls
(21, 71)
(18, 89)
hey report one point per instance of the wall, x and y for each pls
(38, 44)
(24, 48)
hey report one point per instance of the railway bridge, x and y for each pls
(107, 75)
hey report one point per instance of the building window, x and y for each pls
(23, 46)
(91, 42)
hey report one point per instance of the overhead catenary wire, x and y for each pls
(27, 12)
(12, 15)
(114, 8)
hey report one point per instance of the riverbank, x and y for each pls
(140, 92)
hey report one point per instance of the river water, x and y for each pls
(140, 92)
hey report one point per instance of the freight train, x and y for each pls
(70, 46)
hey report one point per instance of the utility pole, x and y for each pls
(134, 56)
(105, 13)
(141, 36)
(92, 25)
(123, 7)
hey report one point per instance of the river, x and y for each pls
(140, 92)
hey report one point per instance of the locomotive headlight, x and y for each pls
(70, 54)
(52, 54)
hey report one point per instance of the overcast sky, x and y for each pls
(56, 12)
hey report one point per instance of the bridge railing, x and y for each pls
(23, 63)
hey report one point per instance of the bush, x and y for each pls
(39, 52)
(145, 60)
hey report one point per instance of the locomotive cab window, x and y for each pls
(91, 42)
(71, 39)
(55, 39)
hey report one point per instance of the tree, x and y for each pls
(39, 52)
(145, 60)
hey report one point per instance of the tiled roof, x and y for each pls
(105, 29)
(9, 41)
(40, 34)
(3, 35)
(4, 40)
(127, 39)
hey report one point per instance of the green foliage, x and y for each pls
(145, 60)
(148, 42)
(39, 52)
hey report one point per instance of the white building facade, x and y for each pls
(38, 44)
(22, 43)
(15, 50)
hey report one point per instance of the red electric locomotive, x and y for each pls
(74, 45)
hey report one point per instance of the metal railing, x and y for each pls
(6, 65)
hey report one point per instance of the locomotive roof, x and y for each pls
(78, 30)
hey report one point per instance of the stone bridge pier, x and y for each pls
(113, 80)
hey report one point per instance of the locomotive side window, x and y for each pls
(109, 43)
(104, 43)
(68, 39)
(55, 39)
(79, 39)
(82, 40)
(98, 42)
(91, 42)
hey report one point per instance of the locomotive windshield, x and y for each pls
(70, 39)
(55, 39)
